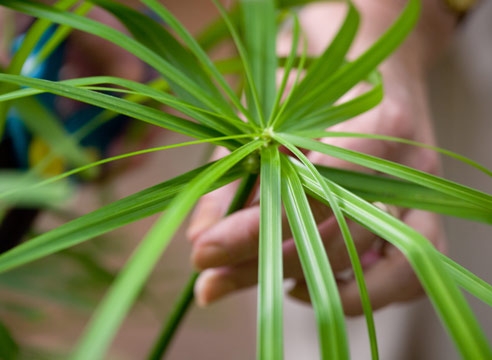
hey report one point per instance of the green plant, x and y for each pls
(194, 85)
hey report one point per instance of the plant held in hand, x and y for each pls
(277, 136)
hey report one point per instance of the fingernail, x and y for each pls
(210, 286)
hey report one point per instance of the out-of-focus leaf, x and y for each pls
(44, 196)
(9, 350)
(132, 208)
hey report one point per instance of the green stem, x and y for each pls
(174, 320)
(185, 299)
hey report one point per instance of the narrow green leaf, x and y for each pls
(118, 105)
(46, 126)
(334, 55)
(252, 95)
(195, 47)
(372, 187)
(287, 68)
(473, 196)
(8, 347)
(300, 67)
(260, 34)
(19, 189)
(329, 196)
(354, 72)
(320, 279)
(325, 66)
(469, 281)
(119, 213)
(39, 196)
(114, 307)
(142, 91)
(332, 115)
(270, 274)
(182, 305)
(93, 123)
(157, 38)
(427, 263)
(136, 48)
(451, 154)
(216, 32)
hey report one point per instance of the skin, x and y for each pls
(226, 249)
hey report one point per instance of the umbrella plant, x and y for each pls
(257, 121)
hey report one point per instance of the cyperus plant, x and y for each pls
(271, 118)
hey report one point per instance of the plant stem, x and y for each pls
(185, 299)
(174, 320)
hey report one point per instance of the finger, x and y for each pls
(387, 118)
(235, 240)
(389, 280)
(232, 241)
(335, 246)
(217, 282)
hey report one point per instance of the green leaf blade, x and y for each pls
(323, 67)
(118, 105)
(48, 195)
(469, 281)
(132, 208)
(405, 194)
(475, 197)
(319, 275)
(335, 114)
(260, 33)
(114, 307)
(9, 349)
(426, 261)
(168, 70)
(354, 72)
(270, 274)
(329, 196)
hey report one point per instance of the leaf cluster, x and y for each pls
(271, 117)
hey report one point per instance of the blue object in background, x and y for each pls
(99, 139)
(16, 143)
(48, 69)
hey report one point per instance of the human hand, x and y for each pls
(227, 249)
